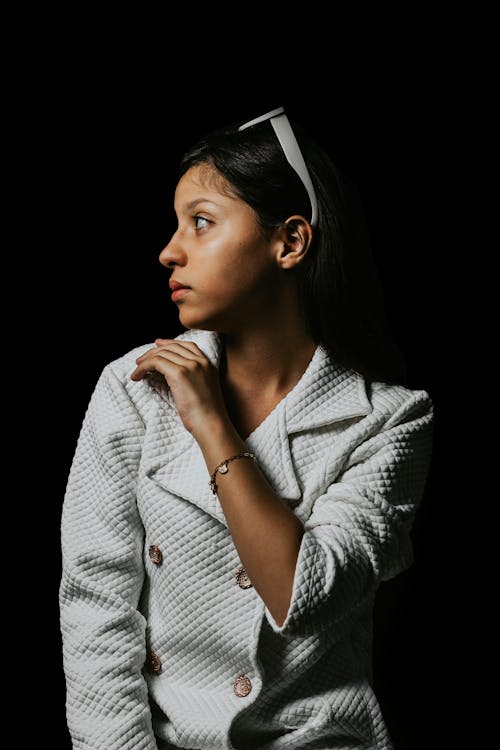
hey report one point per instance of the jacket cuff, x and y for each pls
(302, 590)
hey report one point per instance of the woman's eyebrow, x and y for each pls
(192, 204)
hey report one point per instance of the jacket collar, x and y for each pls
(327, 392)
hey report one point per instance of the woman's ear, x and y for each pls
(293, 241)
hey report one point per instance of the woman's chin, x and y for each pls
(189, 319)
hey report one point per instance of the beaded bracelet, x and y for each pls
(223, 469)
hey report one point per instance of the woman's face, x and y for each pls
(220, 253)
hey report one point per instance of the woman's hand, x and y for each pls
(192, 379)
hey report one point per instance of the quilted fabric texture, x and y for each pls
(163, 646)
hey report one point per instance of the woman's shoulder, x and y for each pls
(125, 364)
(116, 395)
(142, 392)
(400, 400)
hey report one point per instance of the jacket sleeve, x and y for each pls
(358, 533)
(103, 632)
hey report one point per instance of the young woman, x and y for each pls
(238, 492)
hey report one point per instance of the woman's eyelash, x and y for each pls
(200, 218)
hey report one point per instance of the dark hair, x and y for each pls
(340, 292)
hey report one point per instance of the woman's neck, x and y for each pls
(266, 362)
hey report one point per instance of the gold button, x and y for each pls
(242, 686)
(153, 662)
(155, 554)
(242, 578)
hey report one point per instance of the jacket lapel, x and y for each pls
(326, 393)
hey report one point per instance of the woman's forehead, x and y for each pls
(208, 177)
(204, 181)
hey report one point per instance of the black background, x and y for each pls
(105, 151)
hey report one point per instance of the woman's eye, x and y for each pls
(198, 219)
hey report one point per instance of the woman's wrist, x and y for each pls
(214, 428)
(218, 439)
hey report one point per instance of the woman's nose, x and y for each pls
(172, 254)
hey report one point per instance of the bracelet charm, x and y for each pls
(223, 468)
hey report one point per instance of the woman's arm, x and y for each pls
(102, 538)
(265, 531)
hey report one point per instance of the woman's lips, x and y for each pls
(179, 290)
(179, 293)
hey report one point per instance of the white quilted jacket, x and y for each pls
(158, 619)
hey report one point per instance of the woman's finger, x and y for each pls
(185, 351)
(181, 347)
(187, 344)
(158, 362)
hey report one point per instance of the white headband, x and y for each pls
(291, 149)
